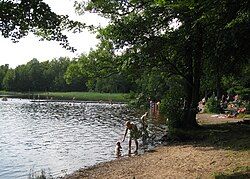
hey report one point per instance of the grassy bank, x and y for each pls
(84, 96)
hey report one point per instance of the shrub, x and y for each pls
(212, 105)
(172, 104)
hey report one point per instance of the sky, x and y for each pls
(30, 47)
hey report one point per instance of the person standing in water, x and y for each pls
(143, 120)
(144, 127)
(134, 134)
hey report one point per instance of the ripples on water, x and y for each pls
(58, 137)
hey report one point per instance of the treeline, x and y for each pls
(55, 75)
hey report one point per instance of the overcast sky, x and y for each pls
(30, 47)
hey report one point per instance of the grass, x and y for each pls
(84, 96)
(243, 115)
(229, 136)
(237, 173)
(87, 96)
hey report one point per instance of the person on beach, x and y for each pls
(134, 134)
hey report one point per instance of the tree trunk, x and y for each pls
(194, 91)
(188, 85)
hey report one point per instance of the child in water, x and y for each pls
(118, 149)
(134, 134)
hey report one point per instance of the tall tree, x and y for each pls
(145, 32)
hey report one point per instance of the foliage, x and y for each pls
(18, 18)
(209, 41)
(8, 80)
(3, 71)
(226, 41)
(100, 69)
(152, 85)
(244, 93)
(212, 105)
(172, 105)
(138, 101)
(44, 76)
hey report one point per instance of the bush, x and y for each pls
(138, 100)
(244, 93)
(212, 105)
(172, 104)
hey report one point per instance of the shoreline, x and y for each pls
(181, 159)
(69, 96)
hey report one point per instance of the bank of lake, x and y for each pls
(72, 96)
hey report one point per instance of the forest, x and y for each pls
(174, 51)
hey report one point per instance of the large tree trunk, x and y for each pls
(193, 91)
(188, 86)
(197, 73)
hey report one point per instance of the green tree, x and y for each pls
(8, 80)
(100, 69)
(22, 79)
(3, 71)
(35, 75)
(226, 42)
(145, 33)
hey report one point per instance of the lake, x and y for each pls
(60, 137)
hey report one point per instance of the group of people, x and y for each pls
(134, 134)
(229, 105)
(232, 106)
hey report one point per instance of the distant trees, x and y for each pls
(36, 76)
(62, 74)
(3, 71)
(100, 69)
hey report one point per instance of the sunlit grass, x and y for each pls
(84, 96)
(240, 172)
(87, 96)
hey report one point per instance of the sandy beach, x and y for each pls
(179, 160)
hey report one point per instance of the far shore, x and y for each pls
(75, 101)
(69, 96)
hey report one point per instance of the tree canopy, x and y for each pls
(210, 39)
(20, 17)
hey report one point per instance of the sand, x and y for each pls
(172, 161)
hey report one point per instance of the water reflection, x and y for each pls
(58, 136)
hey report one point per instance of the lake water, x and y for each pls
(59, 137)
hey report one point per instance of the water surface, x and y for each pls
(58, 137)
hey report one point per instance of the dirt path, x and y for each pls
(171, 161)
